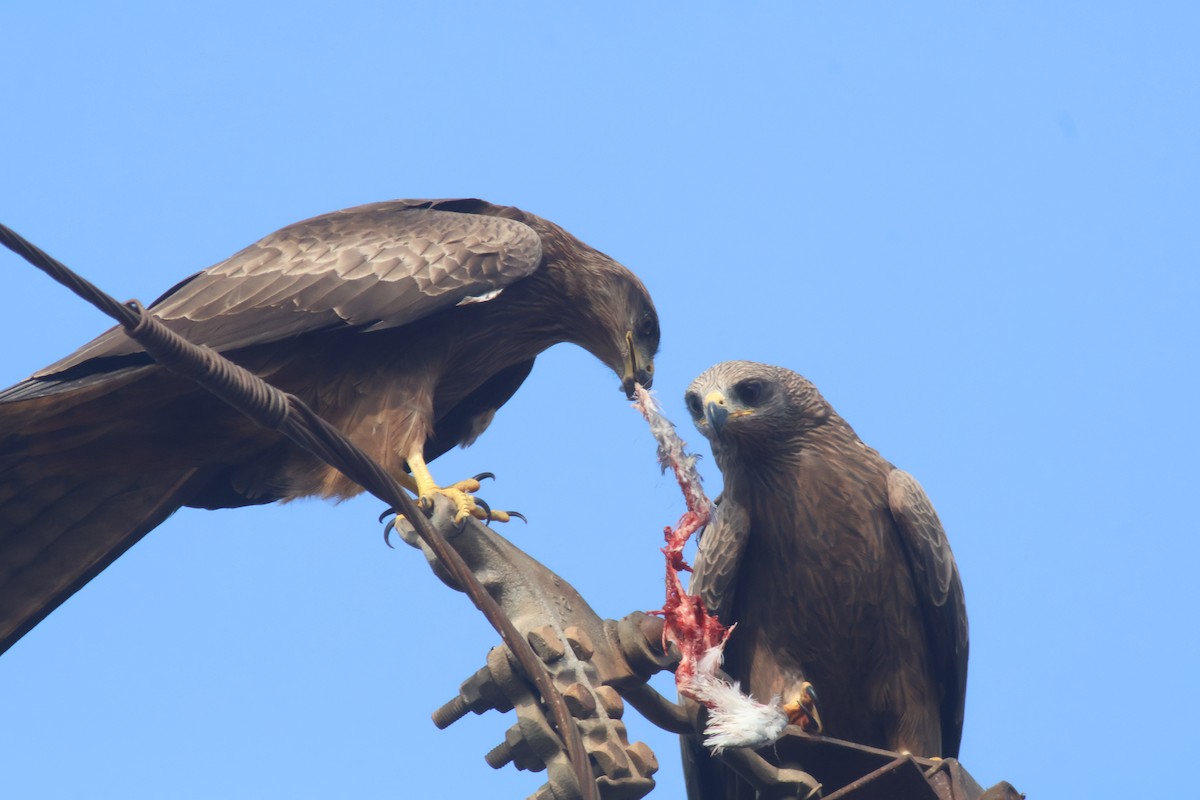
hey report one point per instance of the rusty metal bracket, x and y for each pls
(581, 652)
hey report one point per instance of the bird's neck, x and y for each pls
(588, 287)
(568, 298)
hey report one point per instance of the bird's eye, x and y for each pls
(647, 327)
(693, 404)
(750, 393)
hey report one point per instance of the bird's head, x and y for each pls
(604, 307)
(743, 401)
(626, 335)
(641, 345)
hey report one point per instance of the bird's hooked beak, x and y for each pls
(634, 372)
(716, 412)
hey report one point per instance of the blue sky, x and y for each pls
(973, 227)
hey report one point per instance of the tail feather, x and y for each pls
(56, 534)
(83, 476)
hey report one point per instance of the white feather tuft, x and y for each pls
(734, 719)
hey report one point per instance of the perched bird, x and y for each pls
(834, 567)
(405, 324)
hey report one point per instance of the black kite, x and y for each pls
(405, 324)
(835, 568)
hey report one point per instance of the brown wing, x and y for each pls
(718, 557)
(940, 591)
(372, 267)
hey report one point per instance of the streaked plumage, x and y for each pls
(834, 567)
(406, 324)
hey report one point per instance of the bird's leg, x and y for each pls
(465, 503)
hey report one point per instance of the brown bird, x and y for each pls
(405, 324)
(835, 568)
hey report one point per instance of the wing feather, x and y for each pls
(382, 265)
(933, 563)
(719, 555)
(940, 591)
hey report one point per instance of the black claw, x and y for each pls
(487, 510)
(483, 476)
(519, 516)
(387, 511)
(387, 532)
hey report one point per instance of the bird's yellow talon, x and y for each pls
(802, 709)
(461, 493)
(469, 486)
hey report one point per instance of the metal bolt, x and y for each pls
(499, 755)
(612, 703)
(643, 758)
(580, 642)
(579, 700)
(450, 712)
(478, 693)
(640, 639)
(516, 749)
(546, 644)
(610, 759)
